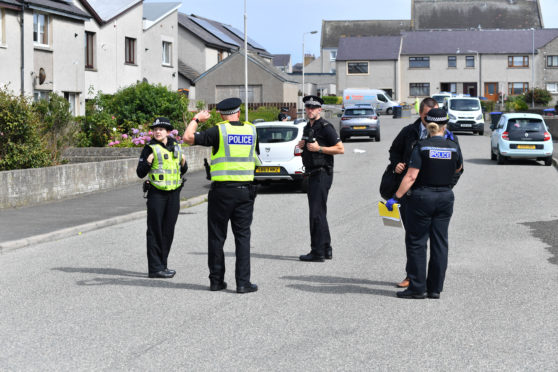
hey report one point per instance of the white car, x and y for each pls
(521, 136)
(280, 156)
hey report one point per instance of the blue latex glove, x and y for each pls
(390, 203)
(449, 135)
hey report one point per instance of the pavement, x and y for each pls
(64, 218)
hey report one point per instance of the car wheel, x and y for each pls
(377, 138)
(481, 133)
(389, 111)
(501, 158)
(492, 154)
(548, 161)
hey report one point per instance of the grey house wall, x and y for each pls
(381, 75)
(152, 65)
(231, 73)
(544, 74)
(10, 52)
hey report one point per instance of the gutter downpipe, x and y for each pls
(22, 28)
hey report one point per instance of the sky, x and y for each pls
(279, 25)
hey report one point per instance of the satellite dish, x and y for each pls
(42, 75)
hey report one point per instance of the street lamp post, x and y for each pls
(533, 72)
(309, 32)
(245, 64)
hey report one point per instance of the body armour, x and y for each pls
(236, 159)
(439, 162)
(165, 169)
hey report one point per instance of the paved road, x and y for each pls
(85, 303)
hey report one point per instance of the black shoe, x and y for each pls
(161, 275)
(247, 289)
(311, 257)
(217, 286)
(410, 294)
(173, 272)
(434, 295)
(328, 254)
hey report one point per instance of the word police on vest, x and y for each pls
(440, 154)
(240, 139)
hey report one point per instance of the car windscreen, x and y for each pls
(464, 105)
(359, 112)
(525, 125)
(277, 134)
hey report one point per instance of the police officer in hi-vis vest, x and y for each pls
(430, 177)
(163, 160)
(232, 192)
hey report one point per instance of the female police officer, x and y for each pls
(433, 163)
(163, 159)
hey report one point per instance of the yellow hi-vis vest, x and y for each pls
(236, 158)
(165, 169)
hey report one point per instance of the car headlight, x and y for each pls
(479, 117)
(452, 117)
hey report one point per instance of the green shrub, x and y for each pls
(542, 97)
(20, 141)
(332, 100)
(263, 112)
(488, 106)
(516, 103)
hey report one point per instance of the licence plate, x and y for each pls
(526, 147)
(466, 125)
(268, 169)
(360, 127)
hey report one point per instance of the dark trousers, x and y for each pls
(403, 213)
(318, 189)
(162, 213)
(429, 212)
(237, 205)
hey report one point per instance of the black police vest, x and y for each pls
(439, 162)
(313, 160)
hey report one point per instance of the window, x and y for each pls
(552, 87)
(71, 98)
(40, 29)
(452, 61)
(89, 49)
(419, 62)
(551, 61)
(2, 41)
(332, 55)
(518, 61)
(357, 68)
(167, 53)
(469, 61)
(419, 89)
(40, 95)
(517, 88)
(130, 51)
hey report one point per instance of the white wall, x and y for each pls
(10, 51)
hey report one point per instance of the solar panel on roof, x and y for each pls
(214, 30)
(240, 34)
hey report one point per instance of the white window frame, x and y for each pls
(167, 57)
(2, 39)
(552, 89)
(45, 33)
(40, 94)
(332, 55)
(359, 73)
(552, 61)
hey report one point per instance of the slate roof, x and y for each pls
(371, 48)
(105, 10)
(185, 21)
(297, 68)
(65, 7)
(333, 31)
(188, 72)
(482, 41)
(467, 14)
(11, 2)
(281, 59)
(154, 11)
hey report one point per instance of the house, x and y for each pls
(160, 43)
(369, 62)
(266, 83)
(475, 14)
(203, 43)
(51, 58)
(477, 62)
(283, 62)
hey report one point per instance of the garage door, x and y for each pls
(226, 91)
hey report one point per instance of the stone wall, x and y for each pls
(36, 185)
(552, 126)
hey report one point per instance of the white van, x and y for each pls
(375, 97)
(440, 98)
(465, 114)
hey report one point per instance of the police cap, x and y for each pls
(312, 101)
(229, 106)
(284, 109)
(163, 123)
(438, 116)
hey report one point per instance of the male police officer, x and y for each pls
(232, 193)
(320, 142)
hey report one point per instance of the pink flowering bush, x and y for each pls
(138, 137)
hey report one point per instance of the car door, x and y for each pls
(496, 133)
(382, 102)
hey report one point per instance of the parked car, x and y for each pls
(377, 98)
(359, 120)
(521, 136)
(465, 114)
(281, 158)
(440, 98)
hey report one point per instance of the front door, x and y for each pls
(491, 91)
(470, 89)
